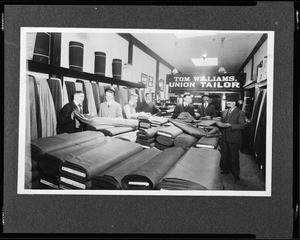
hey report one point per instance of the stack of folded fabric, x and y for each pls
(165, 137)
(189, 128)
(49, 181)
(146, 137)
(111, 178)
(79, 171)
(198, 169)
(129, 136)
(185, 141)
(157, 121)
(32, 174)
(208, 142)
(146, 176)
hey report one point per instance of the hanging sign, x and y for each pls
(224, 82)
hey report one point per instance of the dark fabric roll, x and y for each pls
(49, 181)
(170, 132)
(185, 141)
(41, 52)
(149, 174)
(198, 169)
(117, 68)
(34, 165)
(117, 94)
(208, 142)
(147, 133)
(129, 136)
(100, 63)
(145, 141)
(37, 107)
(44, 145)
(90, 163)
(166, 141)
(160, 146)
(50, 162)
(85, 103)
(111, 178)
(76, 55)
(96, 95)
(116, 130)
(56, 91)
(187, 128)
(102, 93)
(74, 183)
(35, 175)
(71, 88)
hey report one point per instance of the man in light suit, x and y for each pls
(110, 108)
(231, 126)
(186, 106)
(206, 109)
(148, 106)
(66, 122)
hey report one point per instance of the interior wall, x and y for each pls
(163, 71)
(258, 57)
(247, 70)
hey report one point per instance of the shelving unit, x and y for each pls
(66, 72)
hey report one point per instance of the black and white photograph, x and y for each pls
(88, 125)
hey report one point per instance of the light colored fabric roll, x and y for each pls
(48, 115)
(30, 43)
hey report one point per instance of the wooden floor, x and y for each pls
(252, 178)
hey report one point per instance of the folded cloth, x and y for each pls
(98, 127)
(90, 163)
(166, 141)
(150, 145)
(145, 141)
(189, 129)
(117, 122)
(60, 141)
(51, 161)
(74, 183)
(171, 132)
(147, 133)
(185, 141)
(186, 117)
(198, 169)
(160, 146)
(48, 181)
(116, 130)
(129, 136)
(208, 142)
(207, 122)
(148, 175)
(158, 120)
(111, 178)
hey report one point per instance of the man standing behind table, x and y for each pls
(110, 108)
(129, 108)
(185, 106)
(206, 109)
(66, 122)
(148, 106)
(232, 123)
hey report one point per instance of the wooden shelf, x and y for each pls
(66, 72)
(249, 85)
(262, 83)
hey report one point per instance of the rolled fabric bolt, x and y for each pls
(76, 55)
(100, 63)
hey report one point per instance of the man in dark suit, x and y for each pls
(66, 122)
(186, 106)
(232, 123)
(206, 109)
(148, 106)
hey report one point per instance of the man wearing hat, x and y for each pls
(110, 108)
(206, 109)
(231, 126)
(185, 106)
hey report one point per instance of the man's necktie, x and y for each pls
(205, 105)
(80, 108)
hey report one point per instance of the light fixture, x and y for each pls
(221, 69)
(174, 71)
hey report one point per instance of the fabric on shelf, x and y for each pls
(116, 130)
(129, 136)
(111, 178)
(91, 100)
(71, 89)
(117, 122)
(170, 132)
(49, 181)
(56, 91)
(208, 142)
(85, 102)
(117, 94)
(166, 141)
(96, 95)
(187, 128)
(47, 109)
(146, 176)
(44, 145)
(72, 183)
(50, 162)
(90, 163)
(185, 141)
(65, 96)
(198, 169)
(147, 133)
(101, 92)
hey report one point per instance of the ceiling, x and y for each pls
(179, 51)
